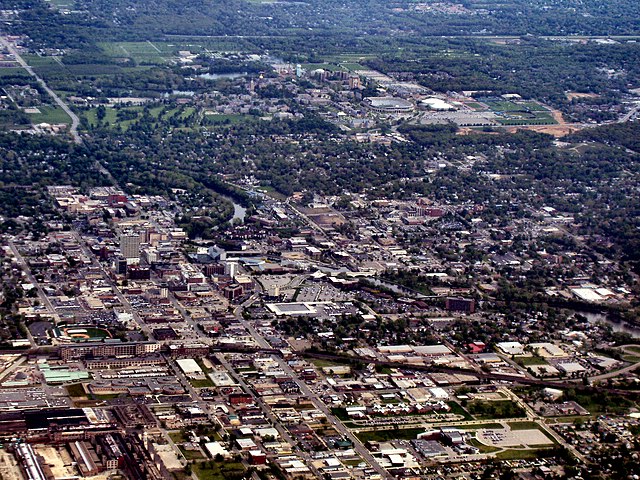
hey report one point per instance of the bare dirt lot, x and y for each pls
(327, 219)
(572, 95)
(555, 130)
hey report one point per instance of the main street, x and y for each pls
(41, 295)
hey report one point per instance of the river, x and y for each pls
(615, 326)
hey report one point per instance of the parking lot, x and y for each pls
(513, 438)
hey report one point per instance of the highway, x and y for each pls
(621, 371)
(75, 121)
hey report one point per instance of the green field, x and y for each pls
(97, 332)
(76, 390)
(13, 72)
(457, 409)
(212, 470)
(517, 113)
(149, 53)
(631, 358)
(532, 360)
(39, 60)
(112, 120)
(518, 454)
(486, 410)
(191, 454)
(528, 119)
(227, 119)
(524, 426)
(178, 436)
(344, 58)
(49, 114)
(204, 383)
(476, 106)
(340, 413)
(482, 447)
(481, 426)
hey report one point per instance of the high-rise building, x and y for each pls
(130, 247)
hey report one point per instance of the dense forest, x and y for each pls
(321, 19)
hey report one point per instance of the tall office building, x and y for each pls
(130, 247)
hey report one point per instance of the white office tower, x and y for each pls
(231, 269)
(130, 247)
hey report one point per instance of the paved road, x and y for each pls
(43, 297)
(621, 371)
(114, 287)
(629, 114)
(540, 421)
(74, 118)
(318, 403)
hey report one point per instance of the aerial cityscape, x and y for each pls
(274, 239)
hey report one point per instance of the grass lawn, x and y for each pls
(598, 402)
(524, 426)
(353, 66)
(125, 121)
(532, 360)
(191, 454)
(178, 437)
(49, 114)
(533, 106)
(218, 471)
(505, 106)
(38, 60)
(631, 358)
(110, 117)
(109, 396)
(480, 426)
(340, 413)
(538, 119)
(214, 118)
(457, 409)
(482, 447)
(202, 366)
(476, 106)
(483, 410)
(318, 362)
(205, 383)
(518, 454)
(76, 391)
(150, 53)
(386, 435)
(344, 58)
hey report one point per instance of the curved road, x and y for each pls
(615, 373)
(74, 118)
